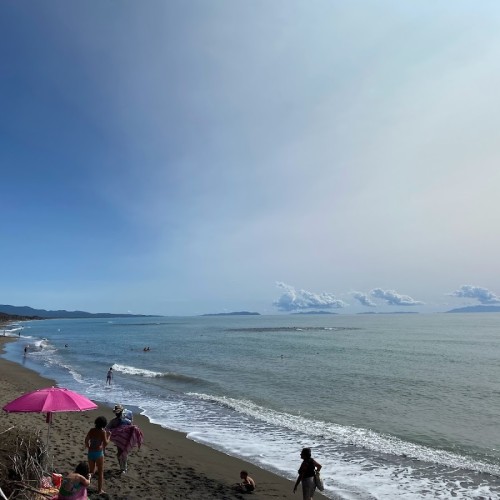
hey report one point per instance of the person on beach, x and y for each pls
(109, 376)
(26, 349)
(117, 422)
(307, 470)
(247, 484)
(74, 485)
(96, 441)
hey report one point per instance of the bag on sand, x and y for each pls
(318, 481)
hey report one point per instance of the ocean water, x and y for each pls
(393, 406)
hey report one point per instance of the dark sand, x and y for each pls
(167, 466)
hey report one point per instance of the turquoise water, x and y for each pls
(394, 406)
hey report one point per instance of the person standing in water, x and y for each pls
(307, 470)
(109, 376)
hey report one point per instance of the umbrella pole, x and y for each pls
(49, 422)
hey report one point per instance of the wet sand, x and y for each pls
(168, 465)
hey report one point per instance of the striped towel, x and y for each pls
(126, 437)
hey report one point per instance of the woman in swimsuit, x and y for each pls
(74, 485)
(308, 468)
(96, 441)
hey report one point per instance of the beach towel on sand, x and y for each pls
(126, 437)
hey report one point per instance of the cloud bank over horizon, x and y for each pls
(296, 300)
(483, 295)
(393, 298)
(293, 299)
(363, 299)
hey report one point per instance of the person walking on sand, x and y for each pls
(307, 470)
(109, 376)
(119, 421)
(96, 441)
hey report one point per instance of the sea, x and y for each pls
(394, 406)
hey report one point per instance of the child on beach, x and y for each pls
(247, 484)
(96, 440)
(74, 485)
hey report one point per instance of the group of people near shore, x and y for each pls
(308, 476)
(122, 432)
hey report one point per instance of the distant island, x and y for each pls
(476, 309)
(236, 313)
(390, 312)
(30, 313)
(314, 312)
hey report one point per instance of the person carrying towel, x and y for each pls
(114, 425)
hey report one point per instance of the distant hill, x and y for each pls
(31, 313)
(314, 312)
(390, 312)
(14, 317)
(476, 309)
(236, 313)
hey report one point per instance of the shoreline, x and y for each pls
(168, 465)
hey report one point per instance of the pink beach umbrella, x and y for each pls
(50, 400)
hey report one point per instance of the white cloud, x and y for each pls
(393, 298)
(293, 300)
(363, 299)
(476, 292)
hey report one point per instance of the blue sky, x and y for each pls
(186, 157)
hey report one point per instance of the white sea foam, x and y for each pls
(132, 370)
(142, 372)
(362, 438)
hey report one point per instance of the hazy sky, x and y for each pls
(185, 157)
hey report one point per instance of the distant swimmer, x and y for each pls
(147, 349)
(109, 376)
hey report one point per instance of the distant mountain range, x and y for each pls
(391, 312)
(236, 313)
(314, 312)
(476, 309)
(30, 313)
(4, 318)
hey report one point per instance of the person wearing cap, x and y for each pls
(120, 420)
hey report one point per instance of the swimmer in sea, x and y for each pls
(109, 376)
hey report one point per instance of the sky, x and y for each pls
(188, 157)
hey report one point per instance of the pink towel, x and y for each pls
(126, 437)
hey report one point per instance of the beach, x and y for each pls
(167, 466)
(392, 406)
